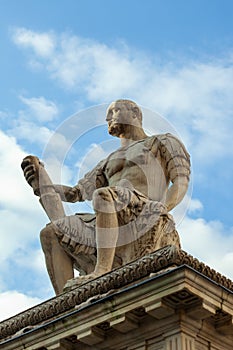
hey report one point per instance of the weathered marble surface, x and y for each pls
(132, 191)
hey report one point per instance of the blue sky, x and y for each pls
(60, 58)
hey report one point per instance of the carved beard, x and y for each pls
(116, 129)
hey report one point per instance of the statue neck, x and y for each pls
(136, 135)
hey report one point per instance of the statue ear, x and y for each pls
(135, 111)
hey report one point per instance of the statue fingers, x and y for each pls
(31, 166)
(29, 172)
(26, 161)
(70, 195)
(31, 160)
(30, 176)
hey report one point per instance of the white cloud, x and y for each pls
(195, 206)
(13, 302)
(21, 219)
(210, 242)
(41, 109)
(58, 171)
(31, 132)
(30, 124)
(18, 230)
(56, 148)
(42, 43)
(20, 212)
(196, 96)
(12, 185)
(21, 215)
(23, 259)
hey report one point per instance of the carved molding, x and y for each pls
(119, 278)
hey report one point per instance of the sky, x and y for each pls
(61, 64)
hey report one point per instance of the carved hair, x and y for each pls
(131, 105)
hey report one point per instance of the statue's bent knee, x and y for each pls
(102, 197)
(47, 235)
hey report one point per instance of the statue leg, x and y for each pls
(59, 264)
(106, 230)
(106, 235)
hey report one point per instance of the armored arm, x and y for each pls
(175, 162)
(178, 170)
(68, 193)
(85, 187)
(91, 181)
(82, 191)
(176, 193)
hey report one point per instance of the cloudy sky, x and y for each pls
(61, 64)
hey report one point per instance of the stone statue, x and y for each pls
(132, 191)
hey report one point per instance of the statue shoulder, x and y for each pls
(172, 153)
(168, 144)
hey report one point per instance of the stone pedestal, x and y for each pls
(165, 301)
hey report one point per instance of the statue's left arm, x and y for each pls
(177, 168)
(176, 193)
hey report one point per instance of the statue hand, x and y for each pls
(72, 195)
(30, 166)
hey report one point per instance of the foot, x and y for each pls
(78, 281)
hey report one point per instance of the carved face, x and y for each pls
(119, 118)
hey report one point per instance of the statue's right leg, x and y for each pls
(59, 264)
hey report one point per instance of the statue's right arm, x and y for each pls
(86, 186)
(82, 191)
(68, 193)
(30, 166)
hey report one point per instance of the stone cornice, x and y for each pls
(131, 273)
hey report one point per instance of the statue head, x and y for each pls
(123, 117)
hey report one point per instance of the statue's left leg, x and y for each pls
(106, 230)
(106, 234)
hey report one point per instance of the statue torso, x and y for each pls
(140, 166)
